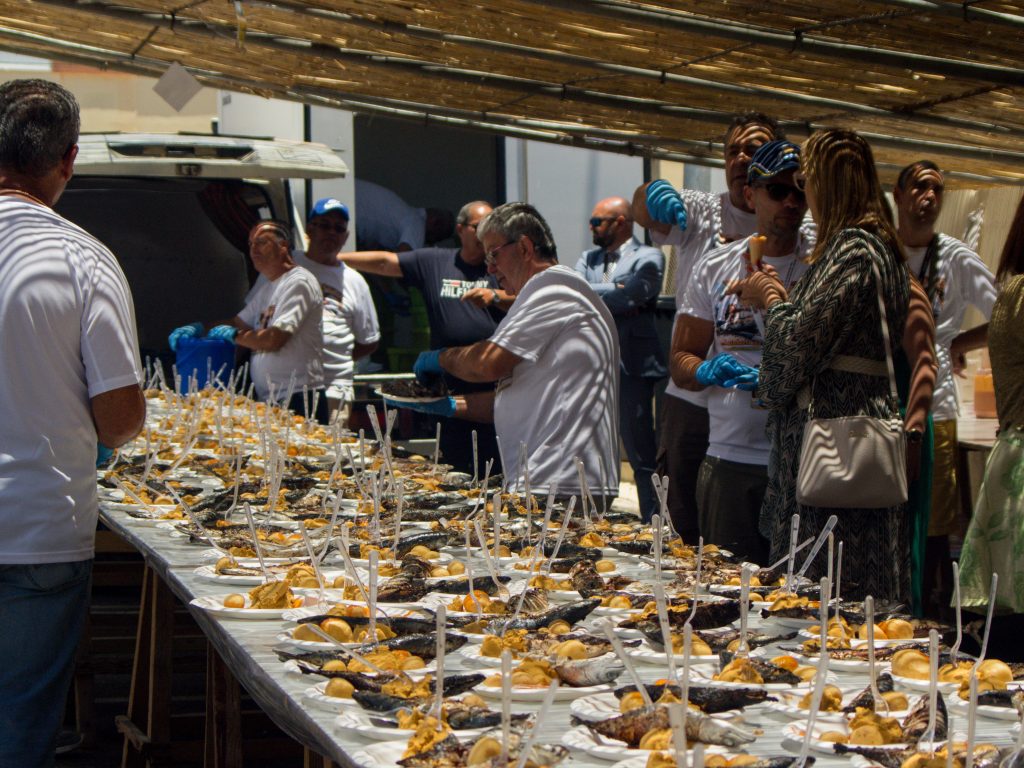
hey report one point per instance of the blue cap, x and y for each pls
(773, 158)
(326, 205)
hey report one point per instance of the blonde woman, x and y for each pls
(831, 316)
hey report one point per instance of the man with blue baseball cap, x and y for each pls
(350, 327)
(716, 348)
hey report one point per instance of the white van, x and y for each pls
(176, 211)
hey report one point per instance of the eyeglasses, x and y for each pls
(800, 180)
(779, 192)
(492, 255)
(595, 221)
(321, 224)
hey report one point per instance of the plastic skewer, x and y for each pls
(442, 621)
(320, 599)
(345, 649)
(794, 534)
(959, 625)
(666, 629)
(607, 627)
(677, 721)
(869, 618)
(371, 628)
(535, 730)
(256, 542)
(506, 704)
(822, 538)
(972, 720)
(744, 649)
(988, 619)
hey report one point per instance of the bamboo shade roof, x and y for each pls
(920, 78)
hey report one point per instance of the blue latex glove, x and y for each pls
(223, 332)
(665, 205)
(745, 381)
(443, 407)
(428, 365)
(103, 455)
(185, 332)
(720, 369)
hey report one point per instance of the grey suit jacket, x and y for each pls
(630, 297)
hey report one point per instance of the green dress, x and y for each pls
(919, 492)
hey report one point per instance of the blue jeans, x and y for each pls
(42, 610)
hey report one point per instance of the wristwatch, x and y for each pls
(494, 297)
(914, 435)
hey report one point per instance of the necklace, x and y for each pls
(28, 195)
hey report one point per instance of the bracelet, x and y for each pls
(494, 297)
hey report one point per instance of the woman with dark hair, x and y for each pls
(995, 537)
(825, 344)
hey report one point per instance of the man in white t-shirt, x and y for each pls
(71, 393)
(694, 223)
(350, 327)
(280, 323)
(716, 349)
(954, 277)
(555, 356)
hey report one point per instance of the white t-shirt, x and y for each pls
(384, 219)
(349, 318)
(711, 221)
(67, 334)
(737, 428)
(562, 399)
(294, 304)
(963, 280)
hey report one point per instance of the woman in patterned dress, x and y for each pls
(995, 537)
(833, 311)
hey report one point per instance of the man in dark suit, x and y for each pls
(627, 276)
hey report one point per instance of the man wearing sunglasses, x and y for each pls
(464, 304)
(350, 326)
(694, 223)
(954, 277)
(716, 348)
(627, 276)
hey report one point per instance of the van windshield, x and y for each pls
(182, 244)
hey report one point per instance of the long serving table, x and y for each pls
(242, 650)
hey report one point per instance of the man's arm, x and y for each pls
(384, 263)
(360, 351)
(975, 338)
(690, 344)
(263, 340)
(479, 362)
(642, 285)
(641, 215)
(118, 414)
(475, 406)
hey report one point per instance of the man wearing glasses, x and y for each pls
(350, 327)
(627, 276)
(464, 305)
(554, 357)
(280, 323)
(716, 348)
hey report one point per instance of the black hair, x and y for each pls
(39, 124)
(910, 170)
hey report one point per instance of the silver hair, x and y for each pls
(513, 220)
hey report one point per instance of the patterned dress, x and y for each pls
(833, 310)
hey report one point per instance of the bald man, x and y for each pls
(627, 276)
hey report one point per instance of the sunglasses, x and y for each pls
(779, 192)
(596, 221)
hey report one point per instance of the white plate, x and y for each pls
(316, 696)
(842, 665)
(295, 614)
(788, 705)
(961, 707)
(791, 623)
(583, 739)
(598, 706)
(215, 604)
(857, 642)
(701, 676)
(521, 693)
(398, 399)
(796, 732)
(647, 655)
(922, 685)
(383, 754)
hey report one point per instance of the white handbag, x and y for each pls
(855, 462)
